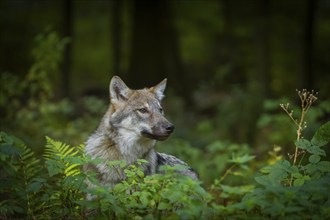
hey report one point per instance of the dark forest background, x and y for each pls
(264, 45)
(229, 64)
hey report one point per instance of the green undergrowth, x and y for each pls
(295, 186)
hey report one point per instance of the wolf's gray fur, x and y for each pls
(129, 130)
(165, 159)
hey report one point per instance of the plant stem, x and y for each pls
(299, 132)
(227, 172)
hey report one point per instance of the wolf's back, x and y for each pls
(166, 159)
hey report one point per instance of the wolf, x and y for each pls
(129, 130)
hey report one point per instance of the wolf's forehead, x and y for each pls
(145, 98)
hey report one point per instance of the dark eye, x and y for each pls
(143, 110)
(160, 109)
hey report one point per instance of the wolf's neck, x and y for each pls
(132, 146)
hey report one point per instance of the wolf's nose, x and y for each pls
(170, 128)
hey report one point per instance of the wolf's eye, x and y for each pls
(143, 110)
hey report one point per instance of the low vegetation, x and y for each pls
(54, 185)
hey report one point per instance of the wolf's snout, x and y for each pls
(169, 128)
(159, 132)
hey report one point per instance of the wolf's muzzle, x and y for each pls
(160, 132)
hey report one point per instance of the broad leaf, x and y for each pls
(303, 144)
(322, 135)
(263, 180)
(314, 158)
(299, 182)
(316, 150)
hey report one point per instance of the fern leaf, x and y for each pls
(19, 171)
(30, 164)
(72, 170)
(60, 153)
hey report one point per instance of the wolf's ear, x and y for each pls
(159, 89)
(118, 89)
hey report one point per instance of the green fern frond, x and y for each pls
(72, 170)
(57, 150)
(29, 163)
(63, 163)
(62, 158)
(19, 168)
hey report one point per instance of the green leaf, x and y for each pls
(294, 169)
(263, 180)
(142, 161)
(303, 144)
(322, 135)
(175, 196)
(314, 158)
(241, 160)
(307, 177)
(54, 168)
(297, 175)
(72, 170)
(237, 190)
(120, 163)
(308, 146)
(74, 160)
(284, 164)
(311, 168)
(266, 169)
(140, 173)
(119, 188)
(180, 167)
(299, 182)
(144, 198)
(324, 166)
(34, 187)
(316, 150)
(9, 149)
(163, 206)
(17, 209)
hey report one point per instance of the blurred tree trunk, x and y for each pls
(155, 52)
(175, 69)
(264, 73)
(67, 58)
(259, 80)
(307, 75)
(228, 48)
(146, 60)
(116, 35)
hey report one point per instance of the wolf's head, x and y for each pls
(139, 111)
